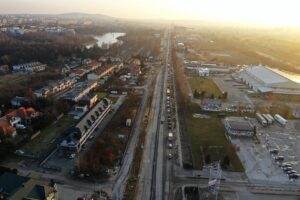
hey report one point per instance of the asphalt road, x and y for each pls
(119, 186)
(145, 180)
(153, 173)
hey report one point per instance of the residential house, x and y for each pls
(29, 67)
(104, 71)
(55, 87)
(79, 90)
(18, 101)
(33, 187)
(135, 70)
(20, 116)
(4, 69)
(78, 134)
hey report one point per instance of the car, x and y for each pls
(294, 176)
(170, 156)
(72, 156)
(279, 158)
(274, 151)
(20, 126)
(287, 169)
(286, 165)
(170, 145)
(291, 172)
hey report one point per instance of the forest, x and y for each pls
(44, 47)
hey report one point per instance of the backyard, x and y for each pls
(47, 136)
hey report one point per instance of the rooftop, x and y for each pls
(267, 75)
(239, 124)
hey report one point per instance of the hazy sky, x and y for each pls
(273, 12)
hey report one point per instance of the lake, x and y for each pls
(105, 40)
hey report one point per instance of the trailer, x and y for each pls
(269, 120)
(280, 120)
(261, 119)
(270, 117)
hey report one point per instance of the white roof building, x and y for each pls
(264, 79)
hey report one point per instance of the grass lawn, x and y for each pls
(113, 99)
(48, 135)
(205, 84)
(209, 135)
(104, 94)
(101, 95)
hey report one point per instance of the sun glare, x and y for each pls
(255, 11)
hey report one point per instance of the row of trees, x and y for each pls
(203, 94)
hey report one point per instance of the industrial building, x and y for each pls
(78, 134)
(266, 80)
(237, 126)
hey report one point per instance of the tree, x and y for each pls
(254, 131)
(202, 94)
(207, 159)
(196, 93)
(226, 162)
(225, 94)
(212, 96)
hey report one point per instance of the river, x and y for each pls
(105, 40)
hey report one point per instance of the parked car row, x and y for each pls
(285, 166)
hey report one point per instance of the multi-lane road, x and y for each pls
(159, 152)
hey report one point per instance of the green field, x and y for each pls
(104, 94)
(207, 136)
(206, 85)
(101, 95)
(47, 136)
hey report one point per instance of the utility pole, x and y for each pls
(215, 175)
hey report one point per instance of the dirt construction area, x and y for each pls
(256, 158)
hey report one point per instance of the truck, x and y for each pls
(280, 120)
(170, 136)
(268, 119)
(261, 119)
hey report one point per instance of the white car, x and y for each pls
(72, 156)
(20, 126)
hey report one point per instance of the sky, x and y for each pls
(269, 12)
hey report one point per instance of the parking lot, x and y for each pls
(237, 92)
(257, 160)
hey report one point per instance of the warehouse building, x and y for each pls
(237, 126)
(266, 80)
